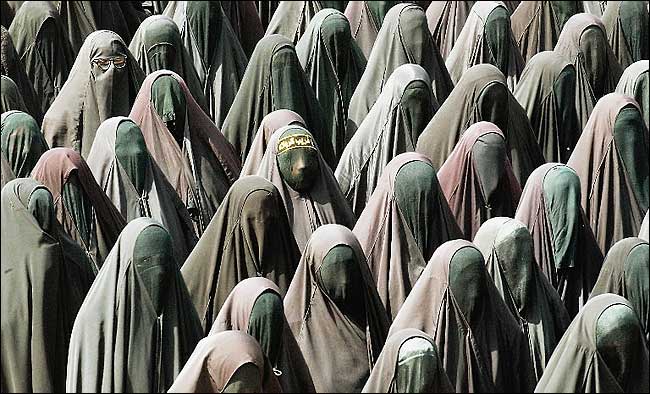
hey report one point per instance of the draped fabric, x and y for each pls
(245, 22)
(45, 277)
(221, 67)
(611, 161)
(22, 142)
(198, 161)
(479, 342)
(583, 41)
(446, 20)
(477, 179)
(635, 83)
(322, 202)
(125, 171)
(7, 173)
(338, 332)
(291, 19)
(333, 64)
(392, 126)
(480, 95)
(628, 32)
(603, 351)
(10, 97)
(87, 98)
(564, 244)
(42, 44)
(507, 247)
(546, 91)
(404, 38)
(249, 236)
(274, 80)
(366, 18)
(137, 326)
(486, 38)
(643, 233)
(406, 220)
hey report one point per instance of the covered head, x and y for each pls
(627, 28)
(22, 142)
(635, 82)
(366, 18)
(291, 19)
(446, 20)
(10, 97)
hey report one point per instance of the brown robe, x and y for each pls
(446, 20)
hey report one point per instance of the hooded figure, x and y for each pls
(546, 91)
(137, 326)
(392, 126)
(635, 83)
(22, 142)
(88, 216)
(603, 351)
(564, 244)
(333, 64)
(625, 272)
(583, 42)
(627, 28)
(406, 220)
(479, 342)
(157, 45)
(195, 157)
(12, 68)
(245, 22)
(10, 97)
(274, 80)
(480, 96)
(446, 20)
(292, 18)
(477, 178)
(45, 277)
(227, 362)
(128, 175)
(7, 173)
(507, 247)
(213, 49)
(486, 38)
(409, 363)
(269, 125)
(404, 38)
(41, 41)
(249, 236)
(335, 315)
(311, 195)
(103, 83)
(611, 159)
(366, 18)
(536, 25)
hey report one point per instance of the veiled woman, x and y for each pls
(480, 344)
(12, 68)
(404, 38)
(603, 351)
(45, 277)
(125, 171)
(625, 272)
(249, 236)
(195, 157)
(226, 362)
(335, 315)
(274, 80)
(627, 28)
(486, 38)
(214, 50)
(137, 326)
(409, 363)
(406, 220)
(10, 97)
(536, 25)
(481, 95)
(22, 142)
(507, 247)
(446, 20)
(635, 83)
(583, 42)
(103, 83)
(41, 41)
(611, 160)
(564, 244)
(271, 123)
(291, 19)
(392, 126)
(333, 64)
(157, 45)
(546, 91)
(312, 196)
(366, 18)
(477, 179)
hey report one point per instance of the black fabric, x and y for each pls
(154, 262)
(266, 324)
(299, 167)
(497, 32)
(131, 151)
(489, 154)
(79, 207)
(629, 130)
(169, 101)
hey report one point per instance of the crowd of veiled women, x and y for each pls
(325, 197)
